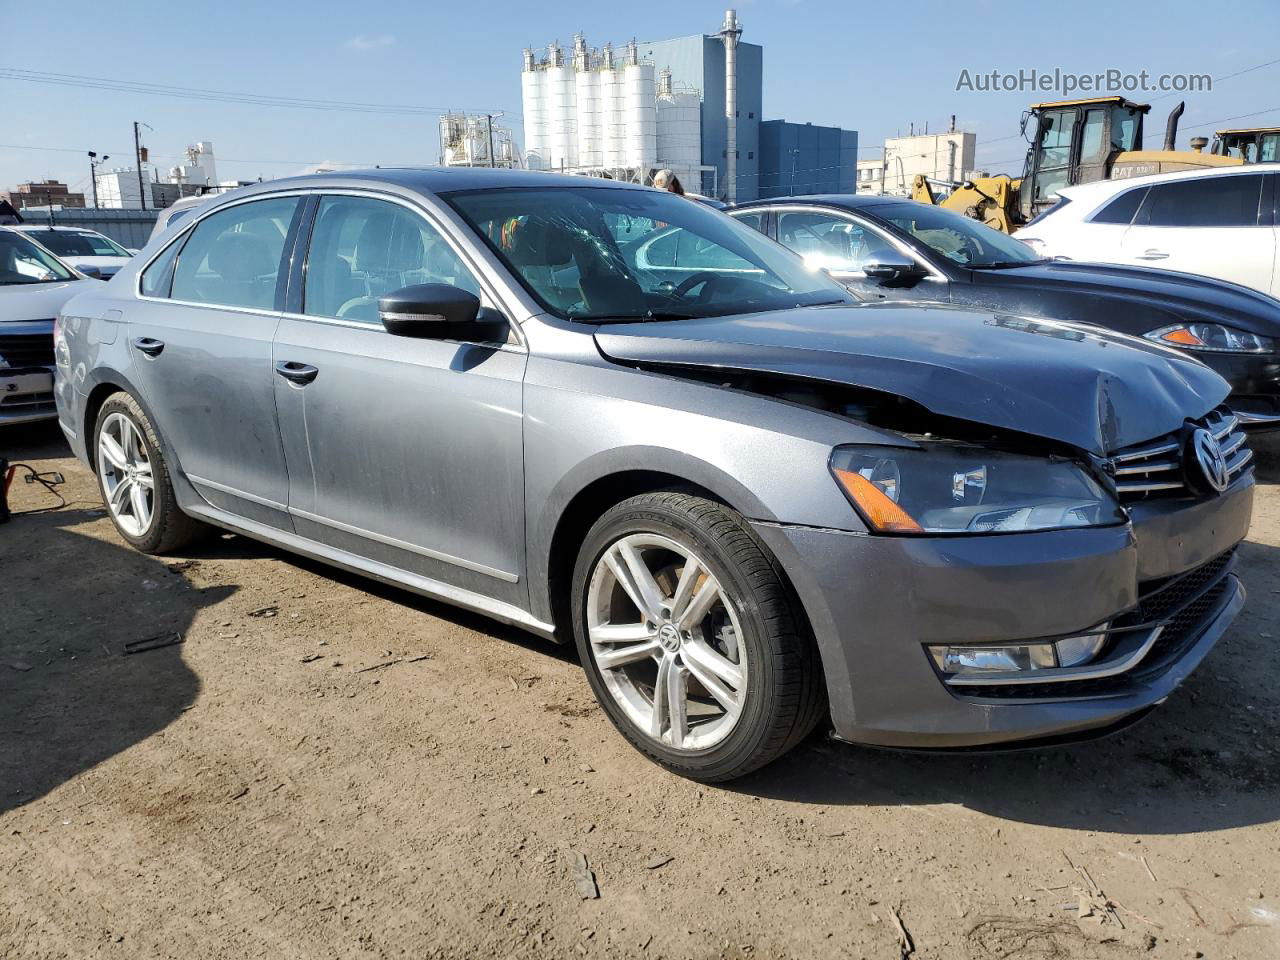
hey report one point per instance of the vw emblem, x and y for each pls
(1208, 454)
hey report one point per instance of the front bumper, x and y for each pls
(26, 395)
(875, 602)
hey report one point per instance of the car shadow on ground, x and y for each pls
(71, 695)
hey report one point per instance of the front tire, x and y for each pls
(134, 479)
(691, 641)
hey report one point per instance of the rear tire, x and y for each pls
(134, 480)
(712, 623)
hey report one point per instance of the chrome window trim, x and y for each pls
(840, 214)
(430, 216)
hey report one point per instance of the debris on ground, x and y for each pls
(153, 643)
(659, 861)
(906, 946)
(311, 658)
(270, 611)
(1091, 903)
(583, 878)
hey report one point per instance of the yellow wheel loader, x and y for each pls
(1072, 141)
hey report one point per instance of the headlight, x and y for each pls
(1211, 336)
(945, 488)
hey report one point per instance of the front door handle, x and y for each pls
(299, 373)
(149, 346)
(1153, 255)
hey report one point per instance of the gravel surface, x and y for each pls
(326, 767)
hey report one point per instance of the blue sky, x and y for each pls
(876, 68)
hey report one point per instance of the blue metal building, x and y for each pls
(800, 158)
(698, 61)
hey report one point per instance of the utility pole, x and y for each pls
(489, 117)
(94, 163)
(137, 156)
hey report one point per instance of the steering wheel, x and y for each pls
(708, 277)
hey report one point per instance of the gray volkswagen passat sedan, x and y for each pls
(751, 501)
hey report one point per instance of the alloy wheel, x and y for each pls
(128, 484)
(667, 641)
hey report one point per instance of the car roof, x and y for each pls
(1103, 188)
(45, 226)
(848, 201)
(438, 179)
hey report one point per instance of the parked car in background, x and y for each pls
(88, 251)
(175, 212)
(886, 248)
(34, 284)
(1218, 222)
(750, 500)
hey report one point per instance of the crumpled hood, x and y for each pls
(1184, 296)
(39, 301)
(1090, 388)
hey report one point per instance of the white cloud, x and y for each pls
(363, 41)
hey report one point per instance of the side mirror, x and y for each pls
(893, 268)
(437, 311)
(93, 273)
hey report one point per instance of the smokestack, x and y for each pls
(730, 33)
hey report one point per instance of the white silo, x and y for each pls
(640, 113)
(534, 103)
(587, 82)
(562, 120)
(611, 109)
(679, 143)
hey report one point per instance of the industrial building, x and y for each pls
(44, 193)
(943, 157)
(122, 188)
(802, 158)
(474, 140)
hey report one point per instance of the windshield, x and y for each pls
(78, 243)
(22, 261)
(605, 253)
(959, 239)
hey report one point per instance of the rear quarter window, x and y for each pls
(1122, 208)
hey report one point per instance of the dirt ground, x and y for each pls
(331, 768)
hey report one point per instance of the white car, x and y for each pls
(1218, 222)
(34, 284)
(88, 251)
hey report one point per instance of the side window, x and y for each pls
(1122, 208)
(232, 257)
(362, 249)
(827, 241)
(753, 220)
(1092, 147)
(158, 277)
(1230, 201)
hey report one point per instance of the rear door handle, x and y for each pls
(299, 373)
(149, 346)
(1153, 255)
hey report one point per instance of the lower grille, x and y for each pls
(27, 349)
(26, 402)
(1179, 607)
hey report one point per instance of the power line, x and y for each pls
(220, 96)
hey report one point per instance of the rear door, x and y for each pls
(200, 339)
(1217, 226)
(401, 450)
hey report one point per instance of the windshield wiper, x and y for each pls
(1006, 264)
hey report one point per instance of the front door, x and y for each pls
(401, 450)
(1217, 226)
(200, 339)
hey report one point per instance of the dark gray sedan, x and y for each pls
(889, 248)
(752, 502)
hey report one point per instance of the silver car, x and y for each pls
(618, 418)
